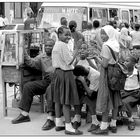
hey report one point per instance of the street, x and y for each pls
(33, 128)
(73, 48)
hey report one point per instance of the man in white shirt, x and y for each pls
(1, 22)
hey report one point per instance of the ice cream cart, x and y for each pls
(14, 71)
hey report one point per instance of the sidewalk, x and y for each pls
(33, 128)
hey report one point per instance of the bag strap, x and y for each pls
(138, 76)
(112, 52)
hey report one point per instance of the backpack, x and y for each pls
(116, 74)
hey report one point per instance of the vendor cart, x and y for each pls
(14, 71)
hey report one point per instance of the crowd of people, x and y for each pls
(74, 68)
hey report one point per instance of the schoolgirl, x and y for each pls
(65, 93)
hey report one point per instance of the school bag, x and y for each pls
(116, 74)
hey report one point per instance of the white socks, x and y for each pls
(113, 122)
(69, 127)
(77, 118)
(24, 113)
(94, 120)
(59, 122)
(50, 118)
(104, 125)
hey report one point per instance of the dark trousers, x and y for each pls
(31, 89)
(90, 101)
(130, 99)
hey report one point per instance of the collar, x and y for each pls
(135, 72)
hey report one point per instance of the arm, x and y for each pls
(104, 57)
(87, 89)
(103, 61)
(79, 43)
(74, 56)
(76, 61)
(32, 62)
(92, 64)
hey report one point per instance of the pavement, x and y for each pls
(33, 128)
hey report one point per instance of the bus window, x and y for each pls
(112, 13)
(100, 14)
(125, 16)
(95, 15)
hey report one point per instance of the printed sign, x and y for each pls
(63, 10)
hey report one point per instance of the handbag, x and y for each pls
(116, 74)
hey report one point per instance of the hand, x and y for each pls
(92, 57)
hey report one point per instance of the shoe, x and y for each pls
(59, 128)
(99, 131)
(49, 124)
(113, 129)
(131, 125)
(76, 125)
(93, 127)
(77, 132)
(21, 119)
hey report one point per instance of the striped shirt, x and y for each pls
(88, 35)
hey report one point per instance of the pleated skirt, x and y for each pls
(65, 90)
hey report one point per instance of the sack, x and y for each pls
(116, 75)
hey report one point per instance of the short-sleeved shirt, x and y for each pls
(62, 56)
(93, 77)
(88, 35)
(1, 22)
(131, 82)
(106, 53)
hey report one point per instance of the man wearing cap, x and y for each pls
(42, 62)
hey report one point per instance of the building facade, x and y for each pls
(14, 11)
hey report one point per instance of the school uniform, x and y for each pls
(93, 79)
(65, 86)
(131, 93)
(107, 99)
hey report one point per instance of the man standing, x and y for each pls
(30, 23)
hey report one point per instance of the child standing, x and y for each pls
(107, 99)
(65, 87)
